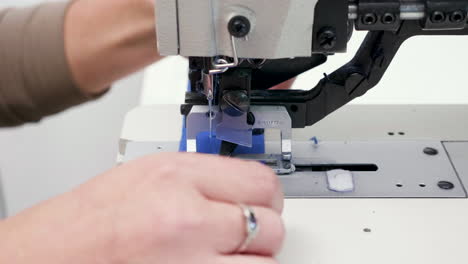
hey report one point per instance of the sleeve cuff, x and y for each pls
(38, 78)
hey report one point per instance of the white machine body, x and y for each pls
(200, 28)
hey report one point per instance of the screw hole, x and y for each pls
(445, 185)
(457, 16)
(399, 185)
(369, 19)
(431, 151)
(401, 133)
(294, 108)
(391, 133)
(159, 147)
(388, 18)
(422, 185)
(438, 17)
(367, 230)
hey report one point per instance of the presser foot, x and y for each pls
(274, 161)
(200, 120)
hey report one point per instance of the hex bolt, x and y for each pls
(239, 26)
(445, 185)
(388, 18)
(437, 17)
(327, 38)
(430, 151)
(369, 19)
(457, 16)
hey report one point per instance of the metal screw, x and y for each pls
(369, 19)
(446, 185)
(327, 38)
(431, 151)
(437, 17)
(457, 17)
(239, 26)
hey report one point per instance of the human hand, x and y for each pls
(106, 40)
(173, 208)
(285, 85)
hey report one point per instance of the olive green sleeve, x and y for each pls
(35, 78)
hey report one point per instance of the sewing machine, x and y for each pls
(364, 183)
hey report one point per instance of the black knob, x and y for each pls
(239, 26)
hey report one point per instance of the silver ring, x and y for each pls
(251, 227)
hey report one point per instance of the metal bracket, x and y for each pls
(222, 65)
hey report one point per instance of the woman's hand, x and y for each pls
(163, 209)
(105, 40)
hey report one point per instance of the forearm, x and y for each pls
(106, 40)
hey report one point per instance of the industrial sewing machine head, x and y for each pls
(238, 49)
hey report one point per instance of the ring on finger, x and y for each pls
(251, 227)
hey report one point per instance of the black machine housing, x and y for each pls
(335, 20)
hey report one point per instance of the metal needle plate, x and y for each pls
(403, 170)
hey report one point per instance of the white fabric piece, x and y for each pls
(340, 181)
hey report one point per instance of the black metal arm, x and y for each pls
(352, 80)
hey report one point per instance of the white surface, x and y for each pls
(170, 130)
(332, 231)
(427, 70)
(203, 30)
(405, 231)
(165, 82)
(21, 2)
(43, 160)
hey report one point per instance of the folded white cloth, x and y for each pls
(340, 181)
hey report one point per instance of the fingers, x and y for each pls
(235, 181)
(229, 226)
(223, 179)
(285, 85)
(246, 259)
